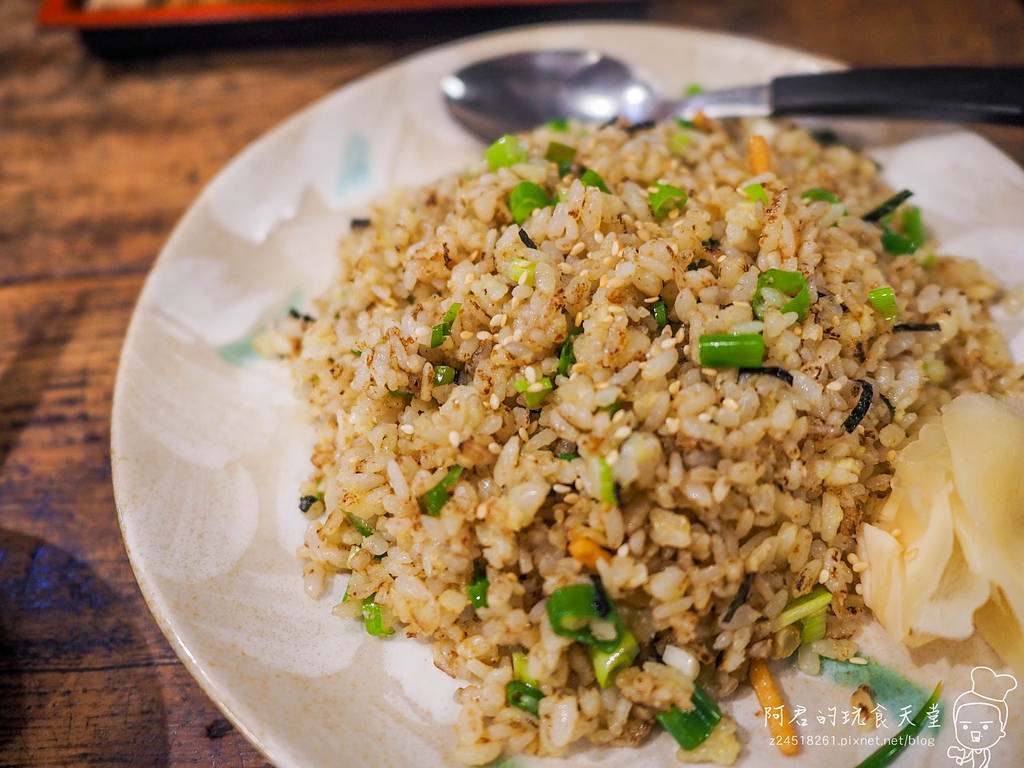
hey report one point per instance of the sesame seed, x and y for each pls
(530, 374)
(577, 248)
(859, 589)
(483, 335)
(834, 386)
(559, 488)
(494, 448)
(524, 277)
(650, 299)
(852, 557)
(674, 213)
(495, 402)
(454, 439)
(536, 387)
(618, 416)
(612, 457)
(704, 417)
(599, 237)
(523, 434)
(668, 343)
(859, 567)
(674, 387)
(823, 576)
(616, 248)
(407, 429)
(731, 404)
(860, 661)
(571, 498)
(466, 335)
(622, 433)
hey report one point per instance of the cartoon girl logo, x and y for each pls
(979, 717)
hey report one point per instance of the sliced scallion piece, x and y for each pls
(525, 198)
(567, 357)
(664, 197)
(558, 124)
(433, 500)
(477, 589)
(567, 456)
(401, 394)
(608, 665)
(574, 610)
(521, 669)
(660, 312)
(523, 696)
(693, 89)
(359, 524)
(896, 244)
(678, 141)
(884, 301)
(890, 205)
(792, 284)
(443, 330)
(356, 352)
(818, 599)
(609, 493)
(690, 728)
(592, 178)
(443, 374)
(531, 396)
(913, 226)
(812, 628)
(724, 350)
(819, 194)
(757, 192)
(507, 150)
(561, 155)
(373, 619)
(520, 267)
(682, 122)
(889, 751)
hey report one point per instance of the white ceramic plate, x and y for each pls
(209, 446)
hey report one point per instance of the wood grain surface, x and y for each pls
(97, 162)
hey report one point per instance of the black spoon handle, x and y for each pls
(958, 94)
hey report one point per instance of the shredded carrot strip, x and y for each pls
(700, 121)
(587, 552)
(775, 710)
(760, 156)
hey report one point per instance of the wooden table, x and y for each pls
(97, 162)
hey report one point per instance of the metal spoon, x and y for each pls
(519, 91)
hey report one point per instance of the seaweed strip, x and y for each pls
(860, 410)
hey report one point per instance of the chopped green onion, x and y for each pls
(520, 669)
(477, 590)
(819, 194)
(818, 599)
(359, 524)
(562, 155)
(665, 197)
(693, 89)
(444, 329)
(573, 609)
(660, 313)
(433, 500)
(399, 393)
(690, 728)
(741, 596)
(888, 752)
(678, 141)
(525, 198)
(897, 244)
(812, 628)
(609, 494)
(611, 409)
(443, 374)
(913, 226)
(523, 696)
(568, 456)
(533, 398)
(825, 136)
(710, 243)
(792, 284)
(608, 665)
(592, 178)
(860, 410)
(567, 357)
(890, 205)
(559, 124)
(684, 123)
(373, 619)
(884, 301)
(741, 350)
(757, 192)
(508, 150)
(356, 352)
(522, 267)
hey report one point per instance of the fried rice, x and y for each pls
(561, 415)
